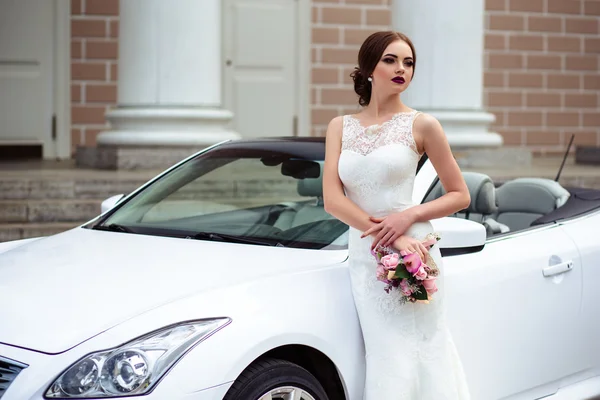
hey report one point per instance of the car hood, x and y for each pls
(62, 290)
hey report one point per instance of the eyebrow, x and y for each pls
(395, 56)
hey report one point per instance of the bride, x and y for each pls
(370, 163)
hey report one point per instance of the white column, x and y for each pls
(169, 75)
(448, 38)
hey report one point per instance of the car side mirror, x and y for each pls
(458, 235)
(110, 203)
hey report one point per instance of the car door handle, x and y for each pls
(558, 268)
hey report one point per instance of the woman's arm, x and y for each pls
(430, 133)
(336, 202)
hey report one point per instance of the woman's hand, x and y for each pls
(411, 245)
(390, 228)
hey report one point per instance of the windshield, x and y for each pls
(257, 196)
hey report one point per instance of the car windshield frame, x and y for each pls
(310, 149)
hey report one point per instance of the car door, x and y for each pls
(514, 309)
(584, 232)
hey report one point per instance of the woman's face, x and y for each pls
(394, 71)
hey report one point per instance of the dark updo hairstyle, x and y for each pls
(368, 56)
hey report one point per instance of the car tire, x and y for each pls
(277, 377)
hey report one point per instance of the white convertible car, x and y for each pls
(223, 278)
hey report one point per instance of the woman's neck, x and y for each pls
(385, 107)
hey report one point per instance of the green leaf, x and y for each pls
(422, 294)
(401, 273)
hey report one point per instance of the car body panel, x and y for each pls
(511, 324)
(583, 231)
(310, 308)
(127, 274)
(13, 244)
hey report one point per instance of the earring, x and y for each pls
(370, 79)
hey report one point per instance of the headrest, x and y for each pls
(531, 195)
(311, 187)
(482, 191)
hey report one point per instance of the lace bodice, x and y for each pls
(397, 130)
(378, 168)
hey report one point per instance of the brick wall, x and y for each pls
(542, 76)
(338, 29)
(94, 32)
(542, 62)
(541, 66)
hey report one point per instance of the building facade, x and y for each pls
(281, 67)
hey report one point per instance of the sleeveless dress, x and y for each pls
(410, 354)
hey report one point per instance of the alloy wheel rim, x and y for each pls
(286, 393)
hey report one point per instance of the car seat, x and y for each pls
(523, 200)
(310, 211)
(483, 201)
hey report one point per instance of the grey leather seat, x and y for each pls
(483, 201)
(300, 214)
(483, 196)
(523, 200)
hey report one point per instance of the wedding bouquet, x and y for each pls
(407, 272)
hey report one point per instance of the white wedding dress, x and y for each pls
(409, 350)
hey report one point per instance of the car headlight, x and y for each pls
(133, 368)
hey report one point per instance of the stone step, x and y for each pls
(29, 230)
(19, 188)
(49, 210)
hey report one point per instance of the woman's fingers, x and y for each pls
(378, 238)
(414, 249)
(387, 239)
(422, 250)
(382, 233)
(387, 236)
(371, 230)
(393, 238)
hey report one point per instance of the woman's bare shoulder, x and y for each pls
(426, 122)
(427, 127)
(335, 126)
(337, 121)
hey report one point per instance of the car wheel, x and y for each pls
(273, 379)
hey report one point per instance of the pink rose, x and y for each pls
(390, 261)
(404, 288)
(429, 285)
(412, 262)
(421, 273)
(381, 273)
